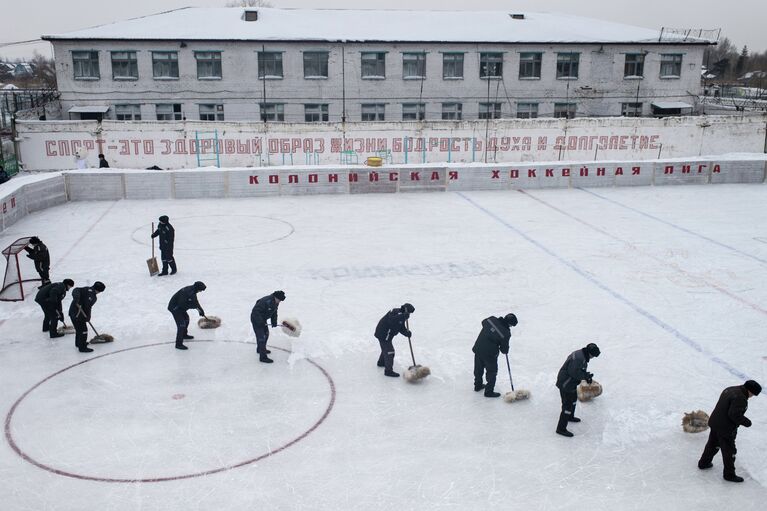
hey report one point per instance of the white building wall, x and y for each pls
(599, 89)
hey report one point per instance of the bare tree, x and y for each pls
(248, 3)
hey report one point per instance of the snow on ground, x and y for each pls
(669, 281)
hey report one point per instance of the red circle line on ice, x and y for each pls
(26, 457)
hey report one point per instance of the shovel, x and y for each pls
(152, 262)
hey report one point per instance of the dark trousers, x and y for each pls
(724, 441)
(387, 354)
(81, 332)
(182, 324)
(50, 319)
(262, 335)
(168, 260)
(484, 365)
(569, 398)
(43, 271)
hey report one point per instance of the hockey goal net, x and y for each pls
(13, 282)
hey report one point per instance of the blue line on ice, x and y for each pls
(665, 326)
(675, 226)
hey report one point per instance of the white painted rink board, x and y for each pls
(669, 281)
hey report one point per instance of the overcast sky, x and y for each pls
(743, 21)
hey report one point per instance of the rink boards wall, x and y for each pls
(114, 184)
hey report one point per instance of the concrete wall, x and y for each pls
(212, 183)
(599, 89)
(19, 200)
(53, 145)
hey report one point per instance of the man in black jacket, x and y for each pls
(103, 163)
(391, 324)
(184, 300)
(728, 415)
(167, 235)
(570, 375)
(49, 298)
(38, 252)
(265, 309)
(83, 299)
(494, 337)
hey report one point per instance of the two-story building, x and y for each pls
(299, 65)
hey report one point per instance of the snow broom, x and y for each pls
(695, 422)
(209, 322)
(100, 338)
(415, 372)
(65, 329)
(514, 395)
(291, 327)
(588, 391)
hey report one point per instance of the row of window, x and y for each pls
(372, 65)
(370, 111)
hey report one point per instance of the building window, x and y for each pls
(168, 111)
(316, 113)
(489, 110)
(128, 112)
(124, 65)
(527, 110)
(567, 65)
(452, 111)
(315, 64)
(631, 109)
(452, 66)
(670, 66)
(373, 111)
(413, 111)
(165, 64)
(530, 65)
(208, 64)
(490, 65)
(270, 64)
(86, 64)
(413, 65)
(634, 67)
(564, 110)
(272, 111)
(211, 112)
(373, 65)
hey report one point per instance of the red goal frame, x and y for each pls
(12, 251)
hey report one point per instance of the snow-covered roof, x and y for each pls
(226, 24)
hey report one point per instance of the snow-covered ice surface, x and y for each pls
(669, 281)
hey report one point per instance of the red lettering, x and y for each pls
(701, 167)
(293, 178)
(619, 171)
(453, 175)
(565, 172)
(373, 176)
(496, 174)
(549, 172)
(669, 169)
(685, 169)
(530, 172)
(50, 148)
(253, 180)
(166, 146)
(313, 178)
(584, 171)
(635, 171)
(274, 179)
(415, 176)
(717, 169)
(600, 171)
(332, 178)
(435, 176)
(393, 176)
(353, 177)
(514, 174)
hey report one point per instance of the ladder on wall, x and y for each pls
(199, 137)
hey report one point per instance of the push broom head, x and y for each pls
(291, 327)
(101, 339)
(416, 372)
(67, 329)
(588, 391)
(209, 322)
(695, 422)
(516, 395)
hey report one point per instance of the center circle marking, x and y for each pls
(12, 443)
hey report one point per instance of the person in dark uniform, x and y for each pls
(103, 163)
(265, 309)
(391, 324)
(570, 375)
(728, 415)
(38, 252)
(49, 298)
(167, 235)
(83, 299)
(185, 299)
(494, 337)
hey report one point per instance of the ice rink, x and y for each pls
(670, 282)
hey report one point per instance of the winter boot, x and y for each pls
(180, 346)
(733, 478)
(173, 269)
(380, 363)
(85, 349)
(704, 466)
(56, 334)
(562, 425)
(187, 337)
(489, 392)
(573, 419)
(564, 432)
(266, 360)
(392, 374)
(478, 387)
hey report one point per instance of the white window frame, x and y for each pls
(209, 65)
(165, 65)
(270, 65)
(671, 65)
(568, 65)
(631, 109)
(490, 65)
(124, 65)
(530, 63)
(373, 65)
(452, 111)
(633, 66)
(216, 110)
(272, 112)
(490, 110)
(318, 60)
(373, 112)
(316, 112)
(85, 65)
(168, 111)
(413, 65)
(452, 62)
(128, 112)
(527, 110)
(413, 111)
(565, 110)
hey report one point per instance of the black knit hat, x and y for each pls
(280, 295)
(753, 387)
(34, 240)
(99, 286)
(164, 218)
(592, 349)
(200, 286)
(407, 307)
(69, 282)
(510, 319)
